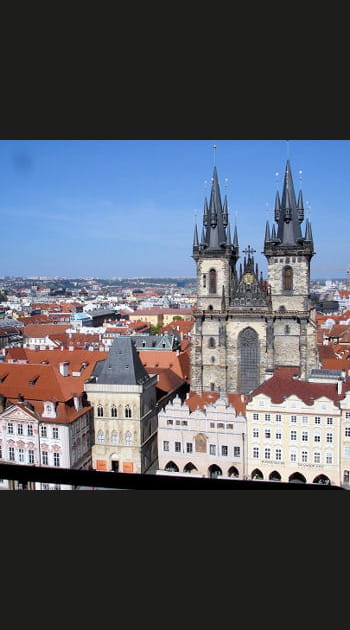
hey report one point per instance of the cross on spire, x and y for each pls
(249, 250)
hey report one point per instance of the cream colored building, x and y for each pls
(296, 431)
(158, 316)
(203, 436)
(123, 396)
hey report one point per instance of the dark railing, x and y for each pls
(133, 481)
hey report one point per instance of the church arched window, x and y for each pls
(114, 411)
(287, 278)
(287, 330)
(211, 342)
(100, 411)
(249, 359)
(127, 411)
(212, 281)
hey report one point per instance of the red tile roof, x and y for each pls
(201, 401)
(278, 388)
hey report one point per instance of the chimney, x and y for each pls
(64, 368)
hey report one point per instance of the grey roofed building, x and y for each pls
(123, 365)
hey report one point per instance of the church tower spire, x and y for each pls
(288, 255)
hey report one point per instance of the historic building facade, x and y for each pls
(123, 396)
(246, 326)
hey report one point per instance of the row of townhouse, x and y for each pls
(86, 409)
(287, 430)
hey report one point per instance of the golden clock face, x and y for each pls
(248, 278)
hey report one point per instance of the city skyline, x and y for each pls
(128, 208)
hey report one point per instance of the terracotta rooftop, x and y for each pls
(278, 388)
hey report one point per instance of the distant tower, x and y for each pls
(348, 279)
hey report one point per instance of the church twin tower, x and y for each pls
(246, 326)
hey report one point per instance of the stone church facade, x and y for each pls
(246, 326)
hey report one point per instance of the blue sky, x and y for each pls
(127, 208)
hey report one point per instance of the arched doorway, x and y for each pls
(297, 478)
(171, 467)
(189, 467)
(322, 479)
(233, 472)
(248, 357)
(275, 476)
(214, 471)
(257, 474)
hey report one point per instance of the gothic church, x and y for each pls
(246, 326)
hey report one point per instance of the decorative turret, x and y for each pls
(216, 235)
(289, 214)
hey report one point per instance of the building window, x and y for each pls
(278, 435)
(204, 280)
(255, 452)
(177, 447)
(224, 451)
(128, 411)
(9, 427)
(329, 458)
(43, 431)
(249, 360)
(304, 456)
(293, 435)
(114, 437)
(293, 418)
(212, 281)
(169, 422)
(293, 455)
(329, 438)
(165, 445)
(305, 436)
(347, 414)
(305, 419)
(278, 454)
(267, 433)
(329, 420)
(236, 451)
(267, 453)
(287, 275)
(55, 433)
(267, 417)
(56, 459)
(255, 416)
(189, 447)
(346, 451)
(99, 411)
(30, 456)
(0, 451)
(317, 458)
(114, 411)
(212, 425)
(211, 342)
(255, 433)
(19, 429)
(30, 429)
(212, 449)
(44, 458)
(317, 437)
(278, 417)
(347, 431)
(21, 455)
(100, 437)
(128, 438)
(287, 330)
(317, 420)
